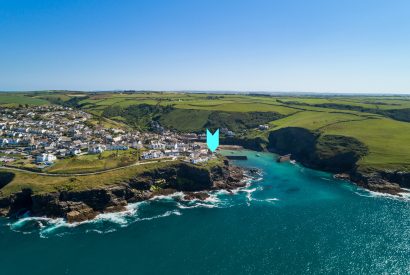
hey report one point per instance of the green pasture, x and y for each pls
(185, 120)
(387, 140)
(92, 163)
(14, 99)
(314, 120)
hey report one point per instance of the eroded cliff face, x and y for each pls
(400, 177)
(331, 153)
(83, 205)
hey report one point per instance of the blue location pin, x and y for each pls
(212, 140)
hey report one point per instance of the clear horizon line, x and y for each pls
(209, 91)
(215, 91)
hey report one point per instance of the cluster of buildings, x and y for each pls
(263, 127)
(44, 134)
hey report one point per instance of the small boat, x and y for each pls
(258, 155)
(293, 161)
(283, 158)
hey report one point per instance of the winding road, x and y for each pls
(82, 174)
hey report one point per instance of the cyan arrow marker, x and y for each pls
(212, 140)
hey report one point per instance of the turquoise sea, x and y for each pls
(291, 220)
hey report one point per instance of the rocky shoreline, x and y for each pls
(379, 181)
(78, 206)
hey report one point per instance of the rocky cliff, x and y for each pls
(82, 205)
(331, 153)
(336, 154)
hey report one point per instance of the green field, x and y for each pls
(186, 120)
(14, 99)
(92, 163)
(387, 140)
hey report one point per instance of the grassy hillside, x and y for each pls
(92, 163)
(185, 120)
(386, 139)
(43, 184)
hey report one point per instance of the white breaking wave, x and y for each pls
(181, 206)
(117, 217)
(372, 194)
(166, 214)
(100, 231)
(168, 197)
(213, 198)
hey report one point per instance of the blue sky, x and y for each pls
(254, 45)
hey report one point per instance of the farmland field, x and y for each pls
(92, 163)
(15, 99)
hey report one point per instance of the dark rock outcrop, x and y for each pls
(254, 171)
(337, 154)
(196, 196)
(299, 142)
(80, 212)
(400, 177)
(20, 202)
(378, 181)
(231, 178)
(48, 205)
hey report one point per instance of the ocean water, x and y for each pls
(290, 220)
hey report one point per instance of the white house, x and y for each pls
(117, 139)
(137, 145)
(156, 145)
(198, 160)
(96, 149)
(171, 153)
(172, 146)
(47, 158)
(152, 154)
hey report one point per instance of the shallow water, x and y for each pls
(291, 220)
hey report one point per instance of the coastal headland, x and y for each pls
(84, 197)
(75, 154)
